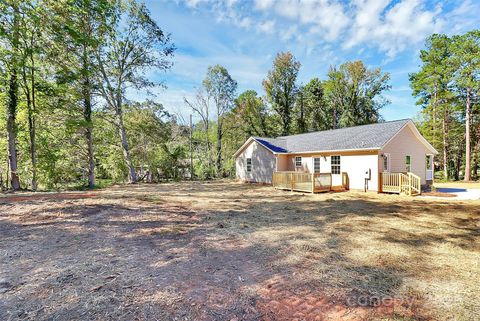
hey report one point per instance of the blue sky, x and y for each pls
(244, 36)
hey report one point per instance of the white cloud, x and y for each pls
(290, 33)
(193, 3)
(263, 4)
(325, 18)
(390, 26)
(394, 29)
(267, 27)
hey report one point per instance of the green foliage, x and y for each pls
(447, 87)
(354, 94)
(281, 88)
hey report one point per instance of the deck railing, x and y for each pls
(401, 183)
(303, 182)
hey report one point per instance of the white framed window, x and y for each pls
(386, 162)
(408, 163)
(429, 162)
(249, 164)
(316, 165)
(335, 163)
(298, 161)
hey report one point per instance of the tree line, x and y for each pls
(447, 87)
(67, 68)
(350, 95)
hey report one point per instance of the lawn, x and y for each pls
(231, 251)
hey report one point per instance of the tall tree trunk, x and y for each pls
(445, 145)
(32, 123)
(219, 147)
(132, 175)
(467, 176)
(87, 115)
(476, 154)
(12, 102)
(31, 120)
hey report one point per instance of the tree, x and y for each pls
(432, 86)
(220, 86)
(200, 105)
(10, 33)
(134, 45)
(466, 61)
(281, 89)
(354, 94)
(311, 108)
(84, 28)
(251, 115)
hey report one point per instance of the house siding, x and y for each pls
(355, 164)
(263, 164)
(406, 143)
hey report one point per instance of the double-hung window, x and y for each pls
(249, 164)
(316, 165)
(408, 163)
(386, 162)
(335, 162)
(298, 161)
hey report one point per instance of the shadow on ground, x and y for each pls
(224, 251)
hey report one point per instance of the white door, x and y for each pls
(429, 167)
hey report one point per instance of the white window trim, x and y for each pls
(298, 166)
(410, 163)
(251, 163)
(339, 165)
(431, 162)
(387, 170)
(319, 164)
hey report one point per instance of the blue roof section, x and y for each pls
(275, 145)
(371, 136)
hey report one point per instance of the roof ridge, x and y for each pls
(334, 129)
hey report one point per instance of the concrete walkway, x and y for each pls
(460, 193)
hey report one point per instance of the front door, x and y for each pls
(429, 167)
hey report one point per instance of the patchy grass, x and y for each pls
(223, 250)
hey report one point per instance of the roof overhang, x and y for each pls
(410, 124)
(248, 142)
(333, 151)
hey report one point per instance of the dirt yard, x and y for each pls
(231, 251)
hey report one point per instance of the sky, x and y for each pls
(245, 36)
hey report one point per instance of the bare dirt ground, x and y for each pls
(231, 251)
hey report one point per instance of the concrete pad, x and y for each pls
(460, 193)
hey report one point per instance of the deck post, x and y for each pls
(313, 183)
(409, 184)
(380, 183)
(292, 182)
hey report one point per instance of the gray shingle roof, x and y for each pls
(372, 136)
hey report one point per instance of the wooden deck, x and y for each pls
(306, 182)
(400, 183)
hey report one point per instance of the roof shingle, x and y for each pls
(372, 136)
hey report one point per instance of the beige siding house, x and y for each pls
(374, 157)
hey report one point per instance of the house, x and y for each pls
(385, 157)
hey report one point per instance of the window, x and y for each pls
(335, 162)
(408, 163)
(386, 162)
(429, 162)
(298, 161)
(316, 165)
(249, 164)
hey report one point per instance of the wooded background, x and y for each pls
(66, 67)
